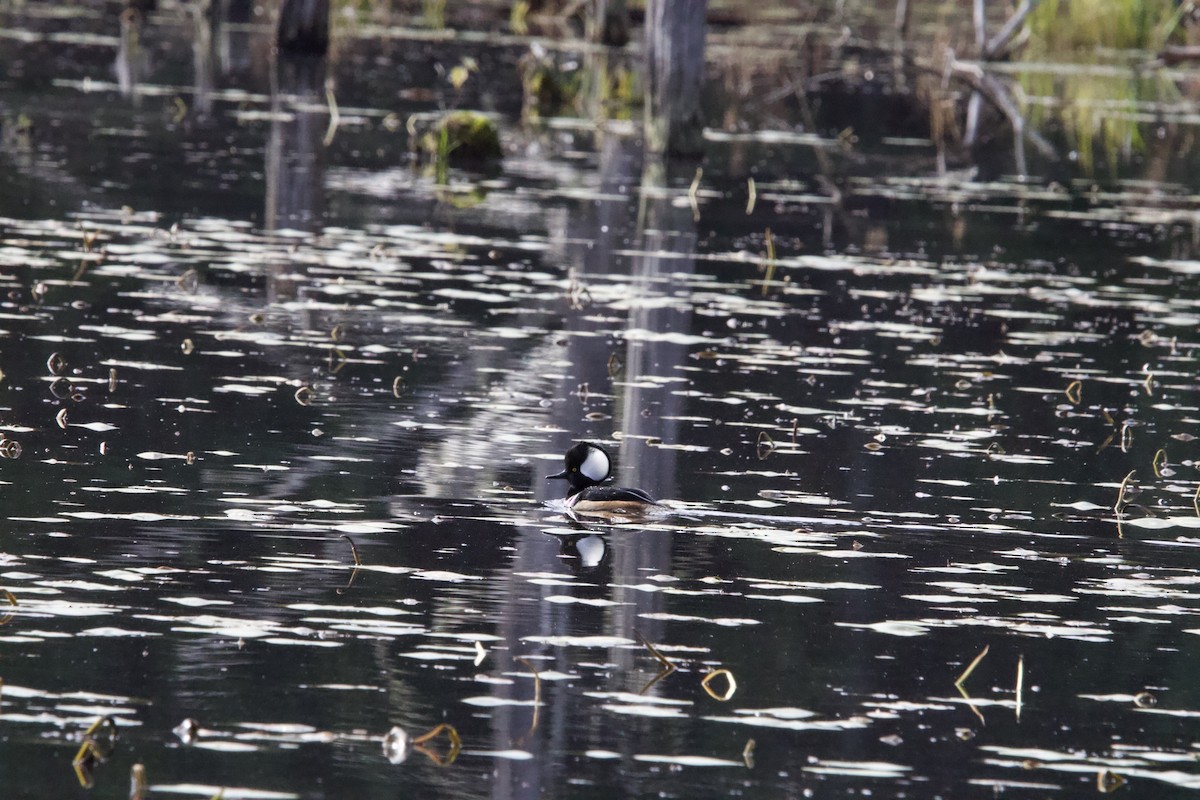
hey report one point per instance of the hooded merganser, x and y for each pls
(588, 465)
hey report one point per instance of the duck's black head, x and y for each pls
(586, 464)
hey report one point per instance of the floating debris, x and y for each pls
(187, 730)
(56, 364)
(668, 666)
(1074, 392)
(139, 785)
(730, 687)
(11, 599)
(442, 760)
(94, 751)
(1108, 781)
(395, 745)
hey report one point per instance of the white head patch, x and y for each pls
(595, 466)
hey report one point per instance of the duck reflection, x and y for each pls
(639, 241)
(583, 552)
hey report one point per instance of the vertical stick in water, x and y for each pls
(1020, 683)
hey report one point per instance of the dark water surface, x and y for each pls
(240, 349)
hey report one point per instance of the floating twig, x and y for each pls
(971, 667)
(189, 281)
(357, 565)
(667, 664)
(90, 753)
(432, 755)
(1121, 492)
(751, 198)
(958, 684)
(770, 241)
(1074, 392)
(1118, 507)
(614, 365)
(693, 192)
(654, 651)
(334, 116)
(537, 697)
(1157, 469)
(765, 445)
(1108, 781)
(12, 601)
(729, 689)
(337, 360)
(353, 551)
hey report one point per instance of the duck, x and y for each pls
(587, 465)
